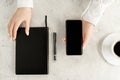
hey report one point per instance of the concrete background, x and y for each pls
(90, 66)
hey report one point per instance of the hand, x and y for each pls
(87, 29)
(22, 15)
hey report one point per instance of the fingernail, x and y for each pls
(27, 33)
(83, 48)
(13, 39)
(10, 38)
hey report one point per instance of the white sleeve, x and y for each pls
(25, 3)
(95, 10)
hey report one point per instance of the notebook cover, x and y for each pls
(32, 51)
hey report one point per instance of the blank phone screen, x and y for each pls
(74, 37)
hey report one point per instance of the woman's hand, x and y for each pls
(87, 29)
(22, 15)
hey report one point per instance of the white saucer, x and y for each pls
(107, 51)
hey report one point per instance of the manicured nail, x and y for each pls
(83, 47)
(10, 38)
(27, 33)
(13, 39)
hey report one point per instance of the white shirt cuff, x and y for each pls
(96, 10)
(24, 3)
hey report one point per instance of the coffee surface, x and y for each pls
(117, 48)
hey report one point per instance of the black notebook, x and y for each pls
(32, 51)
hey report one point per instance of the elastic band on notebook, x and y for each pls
(46, 21)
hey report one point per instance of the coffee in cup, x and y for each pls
(116, 48)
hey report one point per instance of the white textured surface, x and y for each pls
(89, 66)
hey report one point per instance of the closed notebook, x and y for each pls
(32, 51)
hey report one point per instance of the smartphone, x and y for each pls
(74, 37)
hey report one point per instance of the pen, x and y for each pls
(54, 45)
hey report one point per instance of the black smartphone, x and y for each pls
(74, 37)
